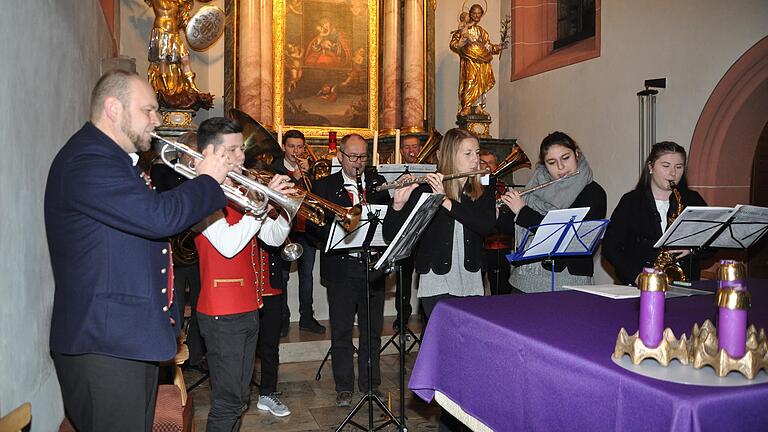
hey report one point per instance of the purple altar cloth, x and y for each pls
(542, 362)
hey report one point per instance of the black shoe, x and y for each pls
(396, 324)
(311, 325)
(286, 325)
(344, 398)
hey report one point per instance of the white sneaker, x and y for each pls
(274, 405)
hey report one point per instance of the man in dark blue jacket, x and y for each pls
(107, 235)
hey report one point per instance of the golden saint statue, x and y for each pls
(170, 71)
(472, 43)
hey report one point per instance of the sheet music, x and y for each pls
(340, 239)
(547, 236)
(414, 225)
(694, 226)
(749, 224)
(589, 232)
(618, 292)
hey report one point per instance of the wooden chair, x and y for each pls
(17, 419)
(174, 410)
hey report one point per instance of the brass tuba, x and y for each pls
(515, 160)
(429, 148)
(665, 261)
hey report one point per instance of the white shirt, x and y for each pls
(662, 206)
(350, 184)
(229, 240)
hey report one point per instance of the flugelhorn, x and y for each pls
(313, 207)
(241, 194)
(397, 184)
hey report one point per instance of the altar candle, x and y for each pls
(733, 304)
(731, 274)
(280, 135)
(653, 285)
(397, 146)
(375, 148)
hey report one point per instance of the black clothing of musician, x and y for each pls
(635, 227)
(343, 274)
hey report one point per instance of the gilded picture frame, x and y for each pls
(325, 63)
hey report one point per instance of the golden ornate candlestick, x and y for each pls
(704, 352)
(669, 348)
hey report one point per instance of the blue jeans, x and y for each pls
(231, 341)
(304, 265)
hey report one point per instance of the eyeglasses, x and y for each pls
(355, 157)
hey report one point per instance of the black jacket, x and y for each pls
(334, 265)
(436, 245)
(635, 227)
(592, 196)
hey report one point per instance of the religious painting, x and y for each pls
(325, 66)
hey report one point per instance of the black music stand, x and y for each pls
(401, 247)
(361, 240)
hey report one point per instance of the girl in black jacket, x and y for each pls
(559, 156)
(642, 215)
(450, 256)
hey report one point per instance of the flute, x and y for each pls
(397, 184)
(499, 202)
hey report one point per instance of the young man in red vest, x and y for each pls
(232, 282)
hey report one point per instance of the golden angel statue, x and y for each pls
(170, 71)
(473, 45)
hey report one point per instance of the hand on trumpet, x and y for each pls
(402, 194)
(283, 184)
(214, 164)
(513, 200)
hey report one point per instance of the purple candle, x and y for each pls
(732, 320)
(731, 274)
(653, 285)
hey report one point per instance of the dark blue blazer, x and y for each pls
(107, 236)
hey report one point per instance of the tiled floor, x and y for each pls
(312, 402)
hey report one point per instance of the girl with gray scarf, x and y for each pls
(558, 156)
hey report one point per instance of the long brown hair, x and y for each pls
(446, 164)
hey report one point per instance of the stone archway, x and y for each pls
(727, 132)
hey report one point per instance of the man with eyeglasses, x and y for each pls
(234, 275)
(343, 274)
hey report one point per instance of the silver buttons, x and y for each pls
(165, 251)
(165, 308)
(164, 290)
(163, 270)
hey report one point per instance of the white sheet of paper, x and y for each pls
(748, 226)
(547, 236)
(340, 239)
(685, 233)
(627, 291)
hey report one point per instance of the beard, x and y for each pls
(136, 138)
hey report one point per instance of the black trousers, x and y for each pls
(407, 268)
(498, 269)
(103, 393)
(269, 342)
(344, 300)
(231, 342)
(183, 277)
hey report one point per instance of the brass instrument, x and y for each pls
(313, 207)
(665, 261)
(184, 249)
(524, 192)
(515, 160)
(397, 184)
(250, 195)
(430, 147)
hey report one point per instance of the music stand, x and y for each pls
(362, 239)
(717, 227)
(561, 233)
(401, 247)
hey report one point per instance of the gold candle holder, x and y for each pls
(669, 348)
(704, 352)
(730, 270)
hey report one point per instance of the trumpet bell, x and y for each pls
(351, 218)
(291, 252)
(515, 160)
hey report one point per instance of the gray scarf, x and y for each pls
(556, 196)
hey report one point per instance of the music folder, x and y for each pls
(722, 227)
(341, 239)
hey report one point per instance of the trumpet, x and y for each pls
(241, 195)
(397, 184)
(313, 207)
(524, 192)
